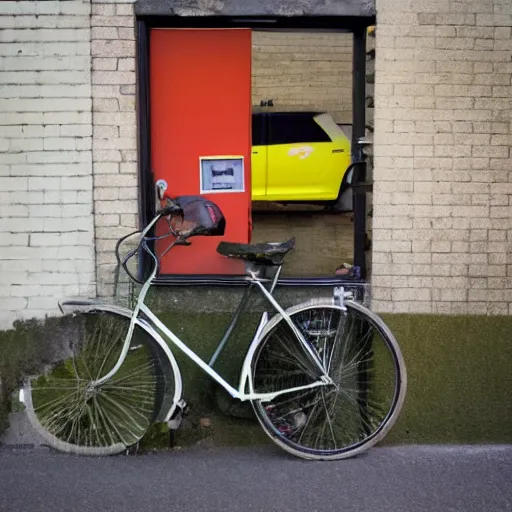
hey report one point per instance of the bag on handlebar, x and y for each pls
(204, 215)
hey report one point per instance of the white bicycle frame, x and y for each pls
(245, 382)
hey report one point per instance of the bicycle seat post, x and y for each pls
(260, 272)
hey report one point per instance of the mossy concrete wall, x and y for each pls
(460, 383)
(459, 373)
(460, 379)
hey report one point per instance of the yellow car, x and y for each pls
(298, 157)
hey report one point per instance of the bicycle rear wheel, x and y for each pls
(77, 417)
(362, 358)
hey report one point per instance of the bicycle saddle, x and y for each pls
(270, 254)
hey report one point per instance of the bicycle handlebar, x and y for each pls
(172, 208)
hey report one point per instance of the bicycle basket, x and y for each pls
(201, 216)
(127, 277)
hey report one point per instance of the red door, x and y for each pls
(200, 97)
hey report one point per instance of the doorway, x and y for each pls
(273, 229)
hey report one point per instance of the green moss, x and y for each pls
(208, 400)
(460, 383)
(459, 379)
(25, 350)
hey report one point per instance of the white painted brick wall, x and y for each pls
(114, 142)
(46, 219)
(442, 222)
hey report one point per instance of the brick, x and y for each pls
(105, 167)
(116, 181)
(46, 21)
(127, 64)
(104, 64)
(58, 157)
(14, 158)
(502, 92)
(105, 105)
(475, 32)
(44, 77)
(129, 155)
(472, 139)
(106, 132)
(492, 103)
(76, 183)
(502, 164)
(467, 90)
(106, 194)
(502, 32)
(129, 220)
(126, 33)
(491, 151)
(479, 127)
(44, 105)
(112, 48)
(23, 50)
(102, 155)
(53, 144)
(501, 128)
(110, 207)
(113, 77)
(494, 20)
(114, 119)
(115, 144)
(411, 294)
(25, 145)
(454, 43)
(125, 9)
(17, 8)
(67, 118)
(450, 295)
(112, 21)
(103, 9)
(78, 130)
(38, 91)
(486, 44)
(105, 91)
(38, 35)
(128, 167)
(75, 8)
(129, 132)
(104, 33)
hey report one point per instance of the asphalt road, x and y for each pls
(409, 479)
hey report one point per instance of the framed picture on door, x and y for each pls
(221, 174)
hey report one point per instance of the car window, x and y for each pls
(295, 128)
(258, 131)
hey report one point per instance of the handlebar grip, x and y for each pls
(171, 208)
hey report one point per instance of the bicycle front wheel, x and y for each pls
(360, 355)
(76, 416)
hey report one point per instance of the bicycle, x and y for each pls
(326, 378)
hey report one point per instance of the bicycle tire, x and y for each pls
(74, 418)
(287, 418)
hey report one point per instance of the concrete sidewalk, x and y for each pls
(397, 479)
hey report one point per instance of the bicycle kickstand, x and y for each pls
(182, 409)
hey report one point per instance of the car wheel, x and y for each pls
(343, 203)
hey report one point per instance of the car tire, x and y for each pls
(344, 202)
